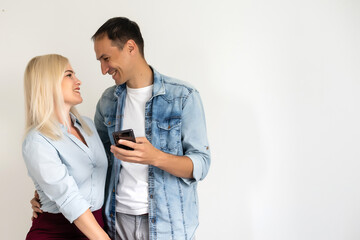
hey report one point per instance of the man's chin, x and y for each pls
(118, 81)
(115, 79)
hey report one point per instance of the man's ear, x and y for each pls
(131, 46)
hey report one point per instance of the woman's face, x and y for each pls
(70, 87)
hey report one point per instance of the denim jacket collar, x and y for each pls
(159, 87)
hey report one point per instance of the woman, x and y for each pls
(63, 154)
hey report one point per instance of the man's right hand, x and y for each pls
(35, 205)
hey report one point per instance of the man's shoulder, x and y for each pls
(176, 83)
(107, 101)
(109, 93)
(108, 96)
(176, 87)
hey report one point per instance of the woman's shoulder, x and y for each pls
(35, 139)
(33, 135)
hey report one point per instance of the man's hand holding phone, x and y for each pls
(127, 134)
(135, 150)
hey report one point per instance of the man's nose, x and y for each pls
(104, 68)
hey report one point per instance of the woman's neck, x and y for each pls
(66, 116)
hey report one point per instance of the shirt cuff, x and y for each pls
(197, 169)
(74, 208)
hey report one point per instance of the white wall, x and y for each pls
(280, 85)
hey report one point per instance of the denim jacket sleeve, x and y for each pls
(194, 138)
(104, 109)
(102, 129)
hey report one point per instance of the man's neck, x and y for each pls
(143, 77)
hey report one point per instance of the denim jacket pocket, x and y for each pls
(109, 122)
(170, 134)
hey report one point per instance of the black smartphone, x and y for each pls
(127, 134)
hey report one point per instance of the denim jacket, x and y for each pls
(175, 124)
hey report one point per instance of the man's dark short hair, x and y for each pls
(119, 30)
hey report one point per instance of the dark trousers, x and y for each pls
(56, 226)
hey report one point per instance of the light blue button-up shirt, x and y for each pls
(68, 175)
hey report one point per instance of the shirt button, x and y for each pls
(111, 215)
(169, 127)
(109, 122)
(153, 220)
(113, 189)
(151, 196)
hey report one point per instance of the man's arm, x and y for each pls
(145, 153)
(103, 134)
(35, 205)
(196, 160)
(101, 129)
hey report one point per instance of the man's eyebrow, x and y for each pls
(102, 56)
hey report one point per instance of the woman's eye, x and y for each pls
(69, 75)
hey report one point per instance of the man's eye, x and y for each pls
(106, 59)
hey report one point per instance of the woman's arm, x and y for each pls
(88, 225)
(86, 222)
(52, 176)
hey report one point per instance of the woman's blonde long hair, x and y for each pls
(44, 100)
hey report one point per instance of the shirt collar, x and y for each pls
(74, 119)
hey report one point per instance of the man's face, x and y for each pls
(114, 61)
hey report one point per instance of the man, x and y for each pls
(151, 191)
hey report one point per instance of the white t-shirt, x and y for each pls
(132, 190)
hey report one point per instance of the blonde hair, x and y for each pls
(44, 101)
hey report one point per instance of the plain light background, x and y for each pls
(280, 83)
